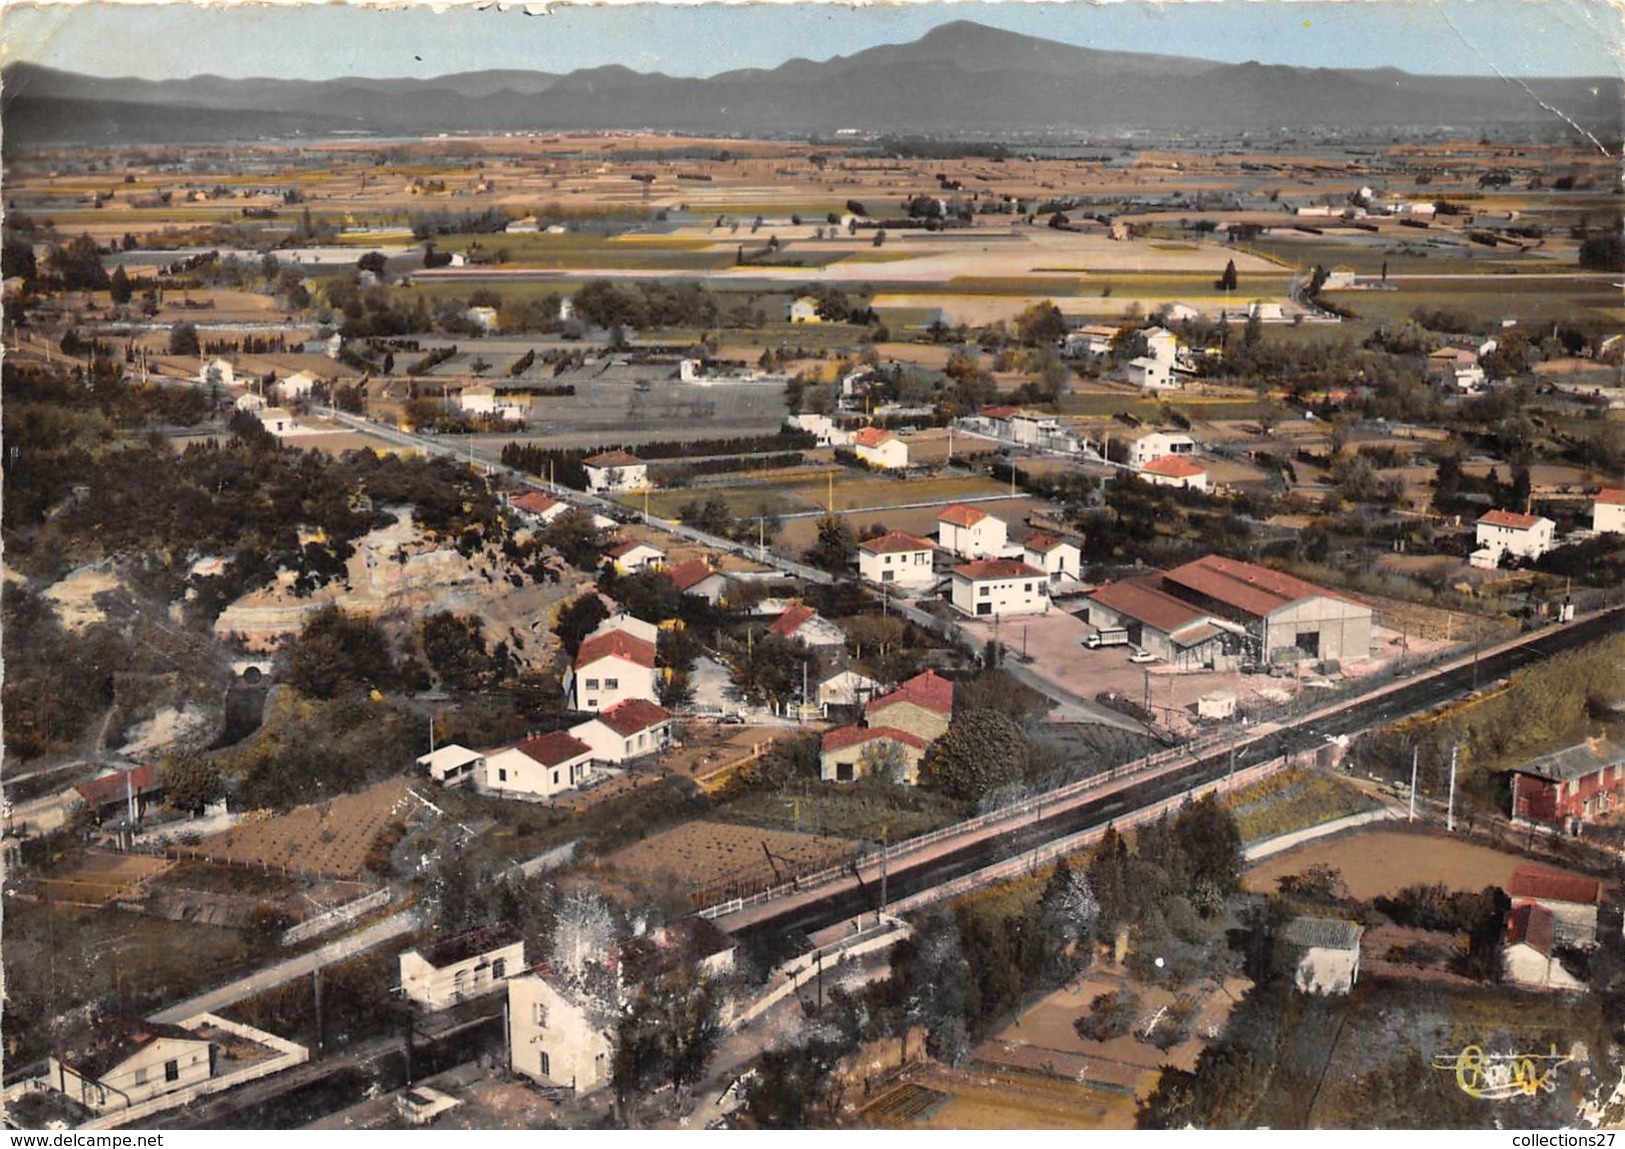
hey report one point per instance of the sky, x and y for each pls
(292, 41)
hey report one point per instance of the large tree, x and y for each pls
(337, 653)
(983, 751)
(835, 548)
(191, 782)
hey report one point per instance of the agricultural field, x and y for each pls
(333, 840)
(96, 879)
(714, 861)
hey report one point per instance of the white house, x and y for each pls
(1161, 345)
(971, 533)
(538, 767)
(1150, 374)
(1055, 556)
(250, 402)
(852, 752)
(629, 729)
(444, 972)
(880, 448)
(1265, 311)
(217, 371)
(803, 310)
(483, 318)
(297, 386)
(695, 577)
(615, 471)
(484, 399)
(278, 421)
(1175, 471)
(452, 765)
(846, 688)
(800, 623)
(635, 555)
(1608, 512)
(999, 588)
(611, 668)
(897, 559)
(538, 507)
(1093, 342)
(829, 435)
(1327, 953)
(118, 1062)
(557, 1037)
(1507, 532)
(1157, 444)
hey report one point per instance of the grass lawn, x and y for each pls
(744, 500)
(863, 492)
(1293, 800)
(855, 812)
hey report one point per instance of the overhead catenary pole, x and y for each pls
(1416, 752)
(1450, 807)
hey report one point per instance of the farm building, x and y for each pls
(487, 400)
(1092, 342)
(999, 588)
(880, 448)
(299, 385)
(695, 577)
(217, 371)
(846, 687)
(1569, 786)
(971, 533)
(1182, 635)
(1150, 374)
(452, 765)
(804, 624)
(1175, 471)
(852, 752)
(803, 310)
(897, 559)
(439, 975)
(1281, 614)
(614, 471)
(611, 667)
(1530, 954)
(538, 767)
(117, 1062)
(1326, 954)
(923, 706)
(1060, 559)
(630, 729)
(1608, 512)
(635, 555)
(1501, 533)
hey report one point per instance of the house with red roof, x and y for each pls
(635, 555)
(1175, 471)
(1501, 533)
(852, 752)
(897, 559)
(799, 623)
(1571, 899)
(923, 706)
(880, 448)
(1568, 787)
(613, 471)
(627, 730)
(537, 507)
(1608, 511)
(1059, 558)
(116, 1062)
(119, 793)
(696, 577)
(611, 667)
(999, 588)
(539, 767)
(971, 533)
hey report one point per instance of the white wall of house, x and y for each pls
(892, 454)
(1326, 971)
(1608, 517)
(168, 1064)
(611, 746)
(1528, 966)
(1529, 544)
(513, 772)
(632, 477)
(1000, 597)
(445, 986)
(1157, 444)
(552, 1041)
(1062, 563)
(984, 539)
(606, 681)
(848, 688)
(900, 568)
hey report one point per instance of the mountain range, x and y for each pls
(958, 78)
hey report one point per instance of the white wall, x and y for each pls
(552, 1041)
(904, 568)
(514, 772)
(143, 1075)
(593, 689)
(1001, 597)
(613, 747)
(444, 987)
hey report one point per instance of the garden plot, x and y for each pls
(718, 861)
(101, 879)
(331, 840)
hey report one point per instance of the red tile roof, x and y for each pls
(1611, 497)
(996, 568)
(1042, 542)
(1509, 519)
(895, 542)
(1142, 598)
(848, 736)
(534, 502)
(961, 516)
(112, 788)
(1541, 885)
(1531, 925)
(929, 691)
(1254, 590)
(1000, 412)
(633, 715)
(612, 459)
(690, 574)
(792, 620)
(1174, 467)
(620, 550)
(553, 749)
(616, 643)
(872, 437)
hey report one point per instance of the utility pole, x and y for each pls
(1450, 808)
(1416, 752)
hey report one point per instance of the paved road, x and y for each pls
(283, 972)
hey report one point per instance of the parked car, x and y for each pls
(1142, 656)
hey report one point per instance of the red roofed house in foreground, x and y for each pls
(1509, 533)
(1569, 786)
(922, 706)
(971, 533)
(611, 667)
(538, 767)
(999, 588)
(897, 559)
(853, 752)
(1608, 512)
